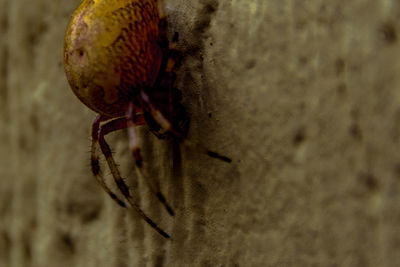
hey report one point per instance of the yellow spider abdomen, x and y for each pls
(112, 51)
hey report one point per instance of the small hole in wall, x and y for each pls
(250, 64)
(303, 60)
(67, 243)
(370, 181)
(355, 131)
(27, 250)
(299, 137)
(339, 66)
(342, 90)
(389, 33)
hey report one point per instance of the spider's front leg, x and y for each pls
(98, 133)
(94, 160)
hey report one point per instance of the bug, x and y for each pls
(119, 62)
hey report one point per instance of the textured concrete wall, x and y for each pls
(303, 95)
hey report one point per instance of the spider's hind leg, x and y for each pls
(134, 146)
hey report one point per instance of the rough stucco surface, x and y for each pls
(303, 95)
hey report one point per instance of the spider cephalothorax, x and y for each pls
(119, 63)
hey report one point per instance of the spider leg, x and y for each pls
(134, 146)
(105, 148)
(109, 127)
(166, 125)
(94, 160)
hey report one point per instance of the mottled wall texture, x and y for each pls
(303, 95)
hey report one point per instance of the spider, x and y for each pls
(119, 63)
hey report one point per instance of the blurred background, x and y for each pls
(302, 95)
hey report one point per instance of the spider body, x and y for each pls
(119, 63)
(112, 51)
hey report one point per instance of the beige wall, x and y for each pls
(303, 95)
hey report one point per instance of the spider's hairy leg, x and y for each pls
(105, 148)
(134, 146)
(95, 164)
